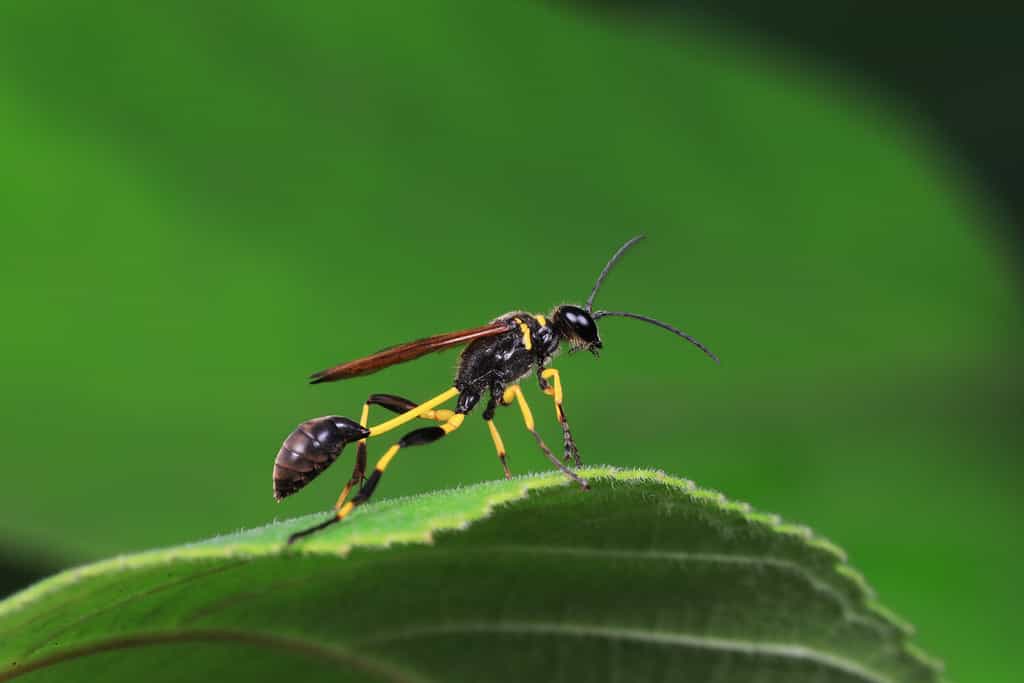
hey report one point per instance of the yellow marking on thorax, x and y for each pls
(541, 319)
(527, 338)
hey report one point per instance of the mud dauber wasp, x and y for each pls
(498, 356)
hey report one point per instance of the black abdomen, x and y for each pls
(310, 449)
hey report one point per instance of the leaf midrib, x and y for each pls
(380, 667)
(305, 646)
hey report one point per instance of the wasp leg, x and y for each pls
(499, 445)
(395, 404)
(425, 408)
(418, 437)
(517, 393)
(359, 470)
(554, 389)
(383, 428)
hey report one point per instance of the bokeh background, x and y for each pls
(202, 204)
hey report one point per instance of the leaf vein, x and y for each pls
(780, 650)
(848, 609)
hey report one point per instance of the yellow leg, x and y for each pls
(421, 409)
(516, 392)
(499, 446)
(359, 471)
(418, 437)
(554, 389)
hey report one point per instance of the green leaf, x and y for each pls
(644, 577)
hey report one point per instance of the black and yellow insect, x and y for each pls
(498, 356)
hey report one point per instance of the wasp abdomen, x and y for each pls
(310, 449)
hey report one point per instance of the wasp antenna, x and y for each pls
(665, 326)
(608, 266)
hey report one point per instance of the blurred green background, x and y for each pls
(202, 205)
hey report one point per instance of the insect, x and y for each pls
(497, 357)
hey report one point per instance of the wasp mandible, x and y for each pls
(498, 356)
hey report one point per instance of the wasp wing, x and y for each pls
(406, 352)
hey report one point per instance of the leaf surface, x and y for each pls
(645, 577)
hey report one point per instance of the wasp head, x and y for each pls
(576, 326)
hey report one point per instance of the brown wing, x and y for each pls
(406, 352)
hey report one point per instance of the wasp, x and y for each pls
(497, 357)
